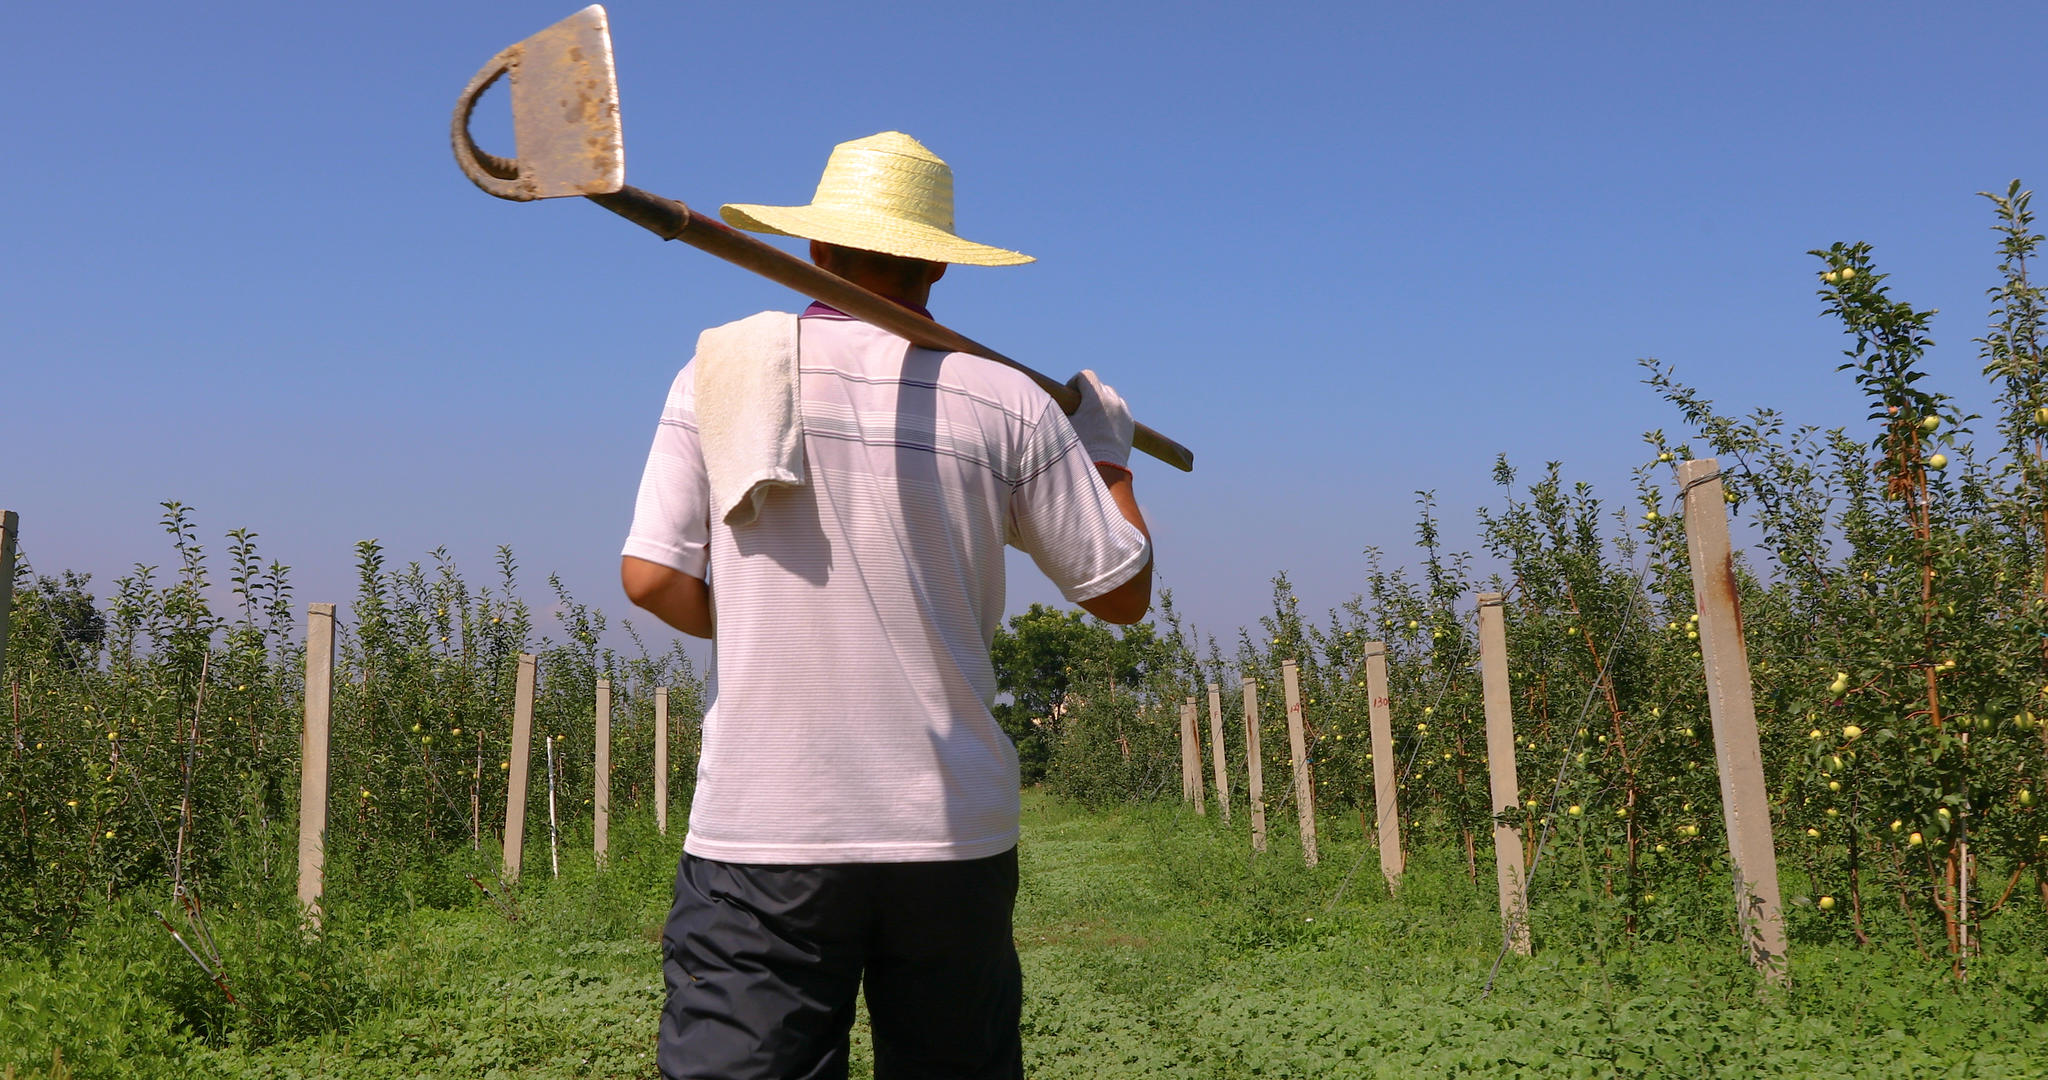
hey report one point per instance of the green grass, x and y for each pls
(1153, 944)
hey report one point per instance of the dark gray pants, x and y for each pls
(763, 963)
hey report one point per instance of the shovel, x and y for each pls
(565, 122)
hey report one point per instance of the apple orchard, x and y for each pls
(1893, 591)
(1894, 599)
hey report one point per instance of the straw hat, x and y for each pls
(884, 193)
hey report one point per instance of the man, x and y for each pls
(856, 812)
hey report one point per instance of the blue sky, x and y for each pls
(1344, 252)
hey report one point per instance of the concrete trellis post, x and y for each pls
(1254, 765)
(1187, 791)
(1509, 868)
(1385, 782)
(601, 784)
(1732, 706)
(1191, 756)
(10, 527)
(1216, 751)
(1297, 742)
(521, 750)
(661, 759)
(313, 769)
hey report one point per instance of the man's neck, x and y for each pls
(819, 307)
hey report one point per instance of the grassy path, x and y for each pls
(1153, 946)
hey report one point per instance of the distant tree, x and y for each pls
(71, 617)
(1048, 660)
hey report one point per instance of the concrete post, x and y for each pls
(1732, 707)
(1216, 751)
(661, 759)
(1191, 754)
(601, 784)
(313, 768)
(515, 785)
(1297, 742)
(1254, 765)
(1385, 781)
(1509, 868)
(10, 529)
(1187, 789)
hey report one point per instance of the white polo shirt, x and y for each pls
(851, 683)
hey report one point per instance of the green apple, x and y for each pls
(1826, 903)
(1852, 733)
(1937, 462)
(1930, 423)
(1575, 810)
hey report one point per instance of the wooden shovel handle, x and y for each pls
(671, 220)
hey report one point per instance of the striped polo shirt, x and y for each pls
(851, 684)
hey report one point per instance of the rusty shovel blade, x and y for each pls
(565, 115)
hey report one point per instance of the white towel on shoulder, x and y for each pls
(748, 413)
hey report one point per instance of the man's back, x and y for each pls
(852, 682)
(854, 826)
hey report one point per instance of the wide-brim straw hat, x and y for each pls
(884, 193)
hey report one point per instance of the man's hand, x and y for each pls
(1103, 421)
(674, 597)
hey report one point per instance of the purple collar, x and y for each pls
(821, 309)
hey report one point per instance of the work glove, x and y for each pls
(1103, 421)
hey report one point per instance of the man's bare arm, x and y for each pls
(1127, 603)
(674, 597)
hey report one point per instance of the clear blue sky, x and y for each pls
(1343, 251)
